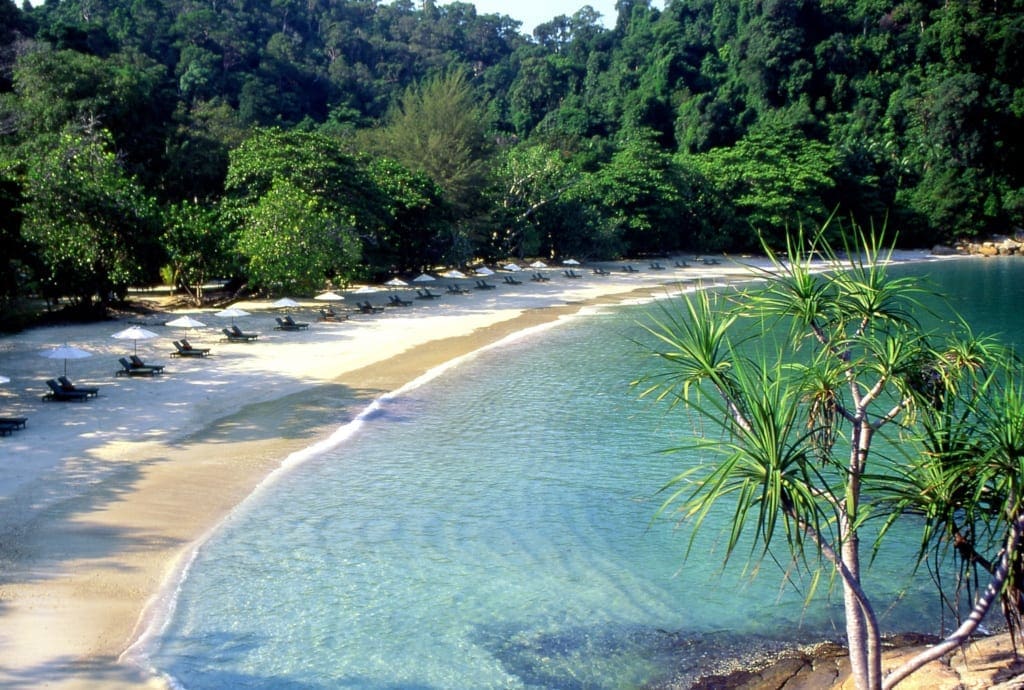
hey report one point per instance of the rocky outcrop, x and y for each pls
(996, 246)
(989, 662)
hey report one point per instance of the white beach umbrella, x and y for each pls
(186, 322)
(231, 313)
(538, 264)
(424, 278)
(65, 352)
(453, 273)
(366, 290)
(135, 334)
(512, 267)
(397, 282)
(329, 297)
(284, 303)
(484, 271)
(571, 262)
(5, 379)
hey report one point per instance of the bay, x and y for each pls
(497, 528)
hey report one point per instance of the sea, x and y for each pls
(496, 525)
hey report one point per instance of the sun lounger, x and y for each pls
(185, 344)
(655, 266)
(365, 307)
(331, 315)
(396, 301)
(629, 269)
(539, 277)
(682, 264)
(139, 364)
(484, 285)
(288, 324)
(425, 293)
(236, 336)
(128, 370)
(238, 333)
(512, 281)
(65, 384)
(8, 425)
(58, 394)
(458, 290)
(710, 262)
(571, 274)
(183, 349)
(601, 272)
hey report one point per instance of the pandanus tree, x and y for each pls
(837, 409)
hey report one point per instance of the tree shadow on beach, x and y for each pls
(95, 486)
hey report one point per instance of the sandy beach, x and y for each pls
(100, 501)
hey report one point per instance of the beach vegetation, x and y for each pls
(694, 127)
(92, 224)
(199, 247)
(836, 405)
(296, 203)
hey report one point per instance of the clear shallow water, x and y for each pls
(495, 528)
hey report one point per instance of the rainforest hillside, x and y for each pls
(286, 143)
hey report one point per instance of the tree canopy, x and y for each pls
(696, 127)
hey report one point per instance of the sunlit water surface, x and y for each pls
(495, 528)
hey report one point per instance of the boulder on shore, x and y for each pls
(989, 662)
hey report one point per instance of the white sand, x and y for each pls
(99, 501)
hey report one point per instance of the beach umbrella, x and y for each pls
(397, 282)
(423, 278)
(329, 297)
(571, 262)
(453, 273)
(366, 290)
(135, 334)
(512, 267)
(538, 264)
(484, 271)
(186, 322)
(232, 313)
(285, 303)
(65, 352)
(5, 379)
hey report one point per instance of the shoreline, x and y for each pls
(100, 522)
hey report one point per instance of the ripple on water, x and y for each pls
(492, 528)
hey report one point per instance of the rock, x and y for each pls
(987, 663)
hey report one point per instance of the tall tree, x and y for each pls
(198, 246)
(300, 206)
(438, 128)
(93, 224)
(529, 181)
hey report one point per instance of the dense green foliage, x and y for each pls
(693, 127)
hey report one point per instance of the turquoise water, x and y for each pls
(495, 528)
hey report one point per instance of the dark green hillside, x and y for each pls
(691, 128)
